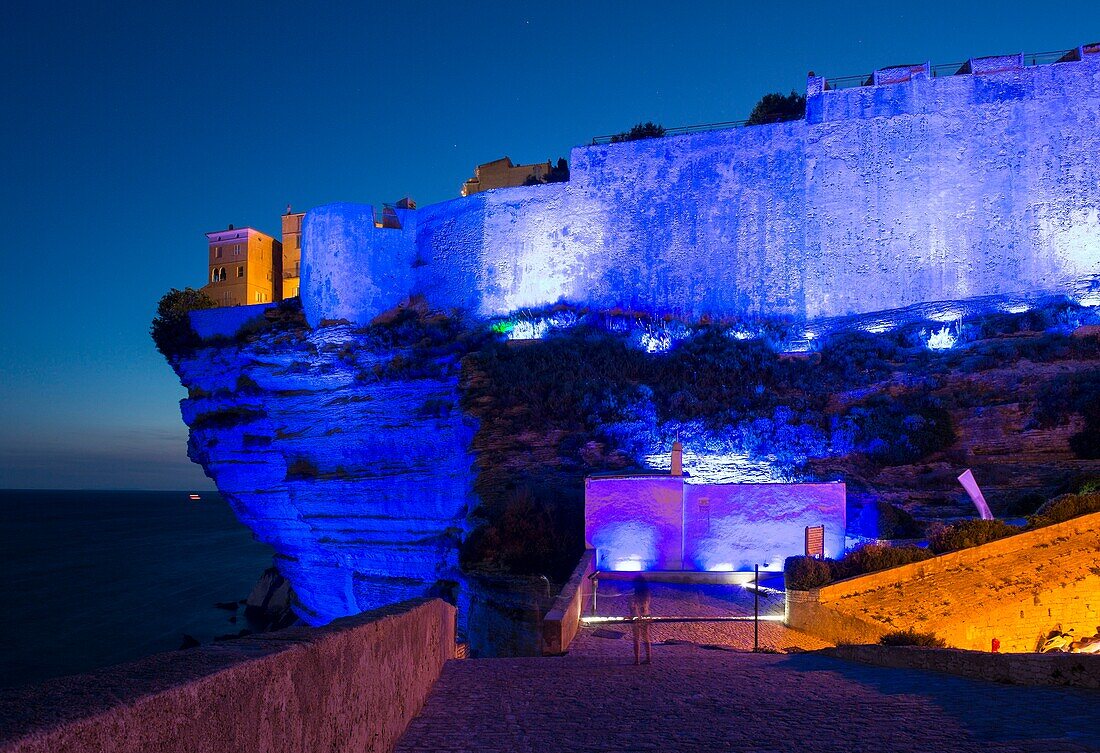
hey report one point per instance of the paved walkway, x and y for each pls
(693, 699)
(705, 692)
(692, 601)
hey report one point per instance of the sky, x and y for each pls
(128, 130)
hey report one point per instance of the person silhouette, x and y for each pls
(639, 617)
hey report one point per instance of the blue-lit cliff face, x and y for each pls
(348, 456)
(885, 196)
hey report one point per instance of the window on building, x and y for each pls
(237, 249)
(213, 274)
(221, 274)
(269, 276)
(297, 241)
(217, 252)
(240, 271)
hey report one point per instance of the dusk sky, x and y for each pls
(131, 129)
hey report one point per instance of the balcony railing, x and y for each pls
(939, 70)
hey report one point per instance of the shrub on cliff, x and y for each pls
(806, 573)
(1073, 393)
(1063, 508)
(968, 533)
(852, 358)
(647, 130)
(901, 430)
(171, 329)
(776, 107)
(911, 637)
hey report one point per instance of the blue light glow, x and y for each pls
(529, 330)
(717, 467)
(655, 341)
(943, 339)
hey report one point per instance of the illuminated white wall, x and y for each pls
(647, 522)
(935, 189)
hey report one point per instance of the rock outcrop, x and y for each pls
(350, 458)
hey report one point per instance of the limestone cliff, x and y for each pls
(336, 450)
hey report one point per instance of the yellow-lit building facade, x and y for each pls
(501, 173)
(244, 267)
(292, 254)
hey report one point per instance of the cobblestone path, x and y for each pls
(693, 699)
(692, 601)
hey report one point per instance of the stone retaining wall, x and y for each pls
(353, 685)
(1079, 670)
(561, 623)
(1016, 590)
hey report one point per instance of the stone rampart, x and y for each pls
(1016, 590)
(916, 190)
(351, 686)
(1077, 670)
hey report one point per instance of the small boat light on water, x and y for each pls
(194, 497)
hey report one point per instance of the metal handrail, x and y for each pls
(950, 69)
(850, 82)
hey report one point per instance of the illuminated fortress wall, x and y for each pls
(930, 189)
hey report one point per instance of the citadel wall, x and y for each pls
(1015, 589)
(930, 189)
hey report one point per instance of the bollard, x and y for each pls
(756, 609)
(996, 646)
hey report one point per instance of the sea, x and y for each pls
(94, 578)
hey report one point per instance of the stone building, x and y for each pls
(243, 267)
(292, 254)
(671, 522)
(501, 173)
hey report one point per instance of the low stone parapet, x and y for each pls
(561, 623)
(352, 685)
(1013, 590)
(1077, 670)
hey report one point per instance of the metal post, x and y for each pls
(756, 608)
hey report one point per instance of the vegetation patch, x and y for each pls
(912, 637)
(805, 573)
(968, 533)
(1063, 508)
(171, 329)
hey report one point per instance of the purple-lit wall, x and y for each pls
(930, 189)
(635, 522)
(734, 526)
(666, 523)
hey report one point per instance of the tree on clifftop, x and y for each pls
(647, 130)
(172, 332)
(776, 107)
